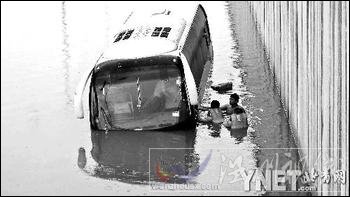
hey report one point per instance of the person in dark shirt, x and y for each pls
(233, 104)
(237, 115)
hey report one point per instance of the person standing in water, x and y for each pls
(214, 118)
(214, 113)
(237, 115)
(233, 104)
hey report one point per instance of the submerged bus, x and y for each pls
(153, 75)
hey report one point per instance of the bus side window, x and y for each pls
(197, 44)
(202, 52)
(204, 45)
(206, 36)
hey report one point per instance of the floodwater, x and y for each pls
(46, 46)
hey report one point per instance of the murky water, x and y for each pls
(45, 47)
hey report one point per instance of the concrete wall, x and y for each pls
(307, 44)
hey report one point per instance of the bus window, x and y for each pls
(137, 94)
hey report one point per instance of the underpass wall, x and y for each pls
(307, 46)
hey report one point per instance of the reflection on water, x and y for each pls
(47, 136)
(239, 134)
(127, 156)
(81, 158)
(266, 111)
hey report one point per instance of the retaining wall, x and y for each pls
(307, 45)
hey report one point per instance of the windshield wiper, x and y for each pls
(105, 118)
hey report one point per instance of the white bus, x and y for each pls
(152, 77)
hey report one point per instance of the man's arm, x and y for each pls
(203, 108)
(224, 107)
(242, 109)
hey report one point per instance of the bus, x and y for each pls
(152, 77)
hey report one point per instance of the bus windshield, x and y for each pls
(138, 94)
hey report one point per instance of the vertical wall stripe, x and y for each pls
(307, 45)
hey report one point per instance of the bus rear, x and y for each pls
(138, 94)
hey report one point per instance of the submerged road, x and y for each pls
(41, 137)
(216, 152)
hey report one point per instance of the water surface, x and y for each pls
(46, 46)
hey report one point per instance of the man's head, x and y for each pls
(234, 99)
(215, 104)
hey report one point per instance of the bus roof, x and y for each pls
(156, 35)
